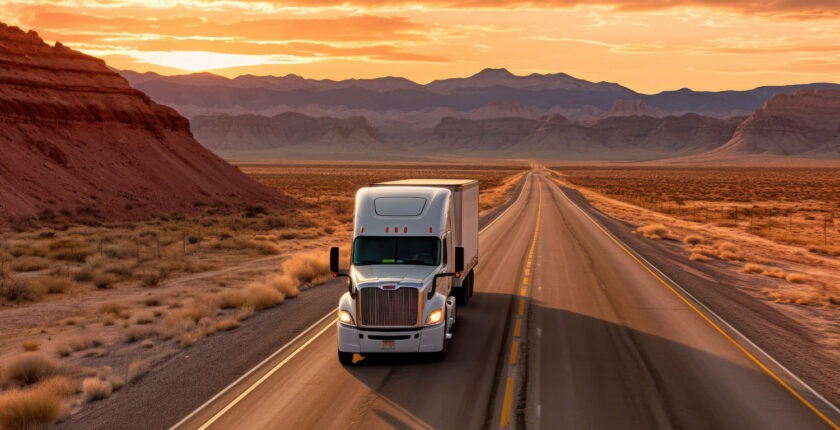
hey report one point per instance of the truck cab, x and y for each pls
(415, 245)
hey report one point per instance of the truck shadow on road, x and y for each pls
(585, 372)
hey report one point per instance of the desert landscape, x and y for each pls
(165, 231)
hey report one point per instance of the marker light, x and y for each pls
(435, 317)
(405, 229)
(345, 317)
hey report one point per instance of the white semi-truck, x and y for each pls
(415, 248)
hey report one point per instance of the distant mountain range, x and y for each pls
(492, 113)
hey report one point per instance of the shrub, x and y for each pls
(133, 334)
(96, 389)
(728, 247)
(151, 279)
(31, 408)
(698, 257)
(16, 290)
(654, 231)
(29, 368)
(29, 264)
(136, 370)
(51, 285)
(145, 317)
(80, 343)
(114, 309)
(775, 272)
(103, 281)
(31, 345)
(285, 284)
(753, 268)
(693, 239)
(70, 250)
(226, 324)
(797, 278)
(262, 297)
(307, 268)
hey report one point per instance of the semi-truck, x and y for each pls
(412, 262)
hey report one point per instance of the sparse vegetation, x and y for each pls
(226, 324)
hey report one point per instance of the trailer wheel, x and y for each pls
(345, 358)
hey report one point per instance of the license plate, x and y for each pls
(387, 344)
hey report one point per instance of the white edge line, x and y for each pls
(254, 369)
(304, 333)
(708, 311)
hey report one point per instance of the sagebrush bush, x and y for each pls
(29, 368)
(693, 239)
(654, 231)
(96, 389)
(36, 407)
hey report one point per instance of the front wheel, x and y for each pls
(345, 358)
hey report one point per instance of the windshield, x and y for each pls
(396, 250)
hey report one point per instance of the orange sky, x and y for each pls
(649, 46)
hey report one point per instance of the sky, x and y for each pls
(648, 46)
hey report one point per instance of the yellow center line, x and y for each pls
(507, 402)
(752, 357)
(514, 351)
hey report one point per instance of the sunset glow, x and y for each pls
(648, 46)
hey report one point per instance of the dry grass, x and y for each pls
(31, 345)
(753, 268)
(112, 309)
(136, 370)
(29, 368)
(654, 231)
(39, 406)
(226, 324)
(133, 334)
(285, 284)
(693, 239)
(145, 317)
(78, 343)
(29, 264)
(95, 388)
(803, 294)
(51, 285)
(797, 278)
(307, 268)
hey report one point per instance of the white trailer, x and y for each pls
(415, 248)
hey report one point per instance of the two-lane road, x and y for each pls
(602, 343)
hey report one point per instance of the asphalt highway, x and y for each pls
(567, 329)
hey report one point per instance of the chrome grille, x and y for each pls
(384, 308)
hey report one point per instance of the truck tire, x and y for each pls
(345, 358)
(462, 294)
(472, 282)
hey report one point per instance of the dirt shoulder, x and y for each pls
(803, 338)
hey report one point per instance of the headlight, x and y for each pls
(345, 318)
(435, 317)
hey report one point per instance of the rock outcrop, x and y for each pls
(76, 139)
(806, 123)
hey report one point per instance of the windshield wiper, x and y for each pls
(363, 262)
(421, 262)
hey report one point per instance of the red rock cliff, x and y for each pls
(75, 138)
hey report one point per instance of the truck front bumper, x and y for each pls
(361, 341)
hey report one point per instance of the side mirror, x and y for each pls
(459, 267)
(334, 259)
(459, 259)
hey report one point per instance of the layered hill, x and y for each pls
(289, 134)
(806, 123)
(612, 138)
(78, 140)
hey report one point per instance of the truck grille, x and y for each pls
(383, 308)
